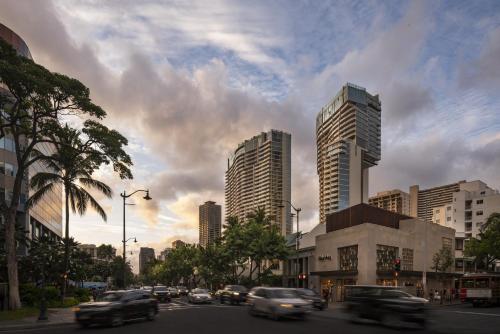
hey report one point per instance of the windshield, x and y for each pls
(283, 293)
(160, 288)
(199, 291)
(239, 288)
(111, 297)
(395, 293)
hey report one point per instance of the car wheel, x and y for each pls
(151, 314)
(116, 319)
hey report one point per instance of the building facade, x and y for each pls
(146, 255)
(423, 201)
(46, 217)
(392, 200)
(259, 175)
(348, 139)
(210, 224)
(361, 244)
(90, 249)
(469, 209)
(164, 254)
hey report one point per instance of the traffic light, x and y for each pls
(397, 265)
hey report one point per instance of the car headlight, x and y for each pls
(197, 297)
(286, 305)
(236, 293)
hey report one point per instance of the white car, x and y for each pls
(199, 296)
(277, 303)
(174, 293)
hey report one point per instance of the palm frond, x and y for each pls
(95, 205)
(101, 186)
(38, 195)
(39, 180)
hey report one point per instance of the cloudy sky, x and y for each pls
(186, 81)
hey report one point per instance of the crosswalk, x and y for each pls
(178, 304)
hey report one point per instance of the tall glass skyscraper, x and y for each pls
(348, 144)
(259, 175)
(46, 217)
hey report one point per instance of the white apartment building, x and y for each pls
(471, 206)
(259, 175)
(348, 144)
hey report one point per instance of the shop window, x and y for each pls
(407, 260)
(348, 258)
(386, 255)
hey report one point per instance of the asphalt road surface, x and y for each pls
(180, 317)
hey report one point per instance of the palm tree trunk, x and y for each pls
(66, 245)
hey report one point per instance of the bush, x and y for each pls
(30, 294)
(82, 295)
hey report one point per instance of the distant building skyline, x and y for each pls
(210, 224)
(146, 255)
(394, 200)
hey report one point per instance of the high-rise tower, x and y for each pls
(210, 223)
(259, 175)
(348, 144)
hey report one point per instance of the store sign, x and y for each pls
(324, 258)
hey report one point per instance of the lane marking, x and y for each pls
(476, 313)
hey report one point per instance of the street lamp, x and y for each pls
(297, 211)
(125, 196)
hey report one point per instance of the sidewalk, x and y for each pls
(57, 317)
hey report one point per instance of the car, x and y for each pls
(147, 288)
(183, 291)
(234, 294)
(317, 301)
(277, 303)
(174, 293)
(116, 307)
(197, 296)
(161, 293)
(387, 305)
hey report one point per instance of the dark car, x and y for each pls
(183, 291)
(234, 294)
(115, 307)
(161, 293)
(388, 305)
(317, 301)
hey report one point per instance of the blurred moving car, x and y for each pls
(388, 305)
(161, 293)
(317, 301)
(199, 296)
(115, 307)
(277, 303)
(147, 288)
(174, 293)
(234, 294)
(183, 291)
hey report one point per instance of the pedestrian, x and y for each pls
(325, 295)
(431, 296)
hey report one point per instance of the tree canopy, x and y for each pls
(486, 248)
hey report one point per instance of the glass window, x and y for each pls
(9, 169)
(479, 213)
(479, 201)
(459, 244)
(348, 258)
(2, 168)
(407, 261)
(386, 255)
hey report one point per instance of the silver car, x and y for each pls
(277, 303)
(197, 296)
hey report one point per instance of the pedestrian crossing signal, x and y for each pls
(397, 265)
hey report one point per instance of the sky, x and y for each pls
(187, 81)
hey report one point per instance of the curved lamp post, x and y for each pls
(297, 211)
(124, 195)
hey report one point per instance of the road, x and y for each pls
(180, 317)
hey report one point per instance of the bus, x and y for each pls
(480, 288)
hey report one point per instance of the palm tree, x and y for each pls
(72, 163)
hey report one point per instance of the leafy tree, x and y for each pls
(106, 252)
(33, 100)
(442, 260)
(117, 267)
(486, 248)
(236, 244)
(213, 266)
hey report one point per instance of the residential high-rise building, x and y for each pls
(45, 218)
(210, 223)
(164, 254)
(348, 144)
(467, 213)
(259, 175)
(392, 200)
(146, 255)
(423, 201)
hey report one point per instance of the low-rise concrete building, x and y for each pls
(361, 244)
